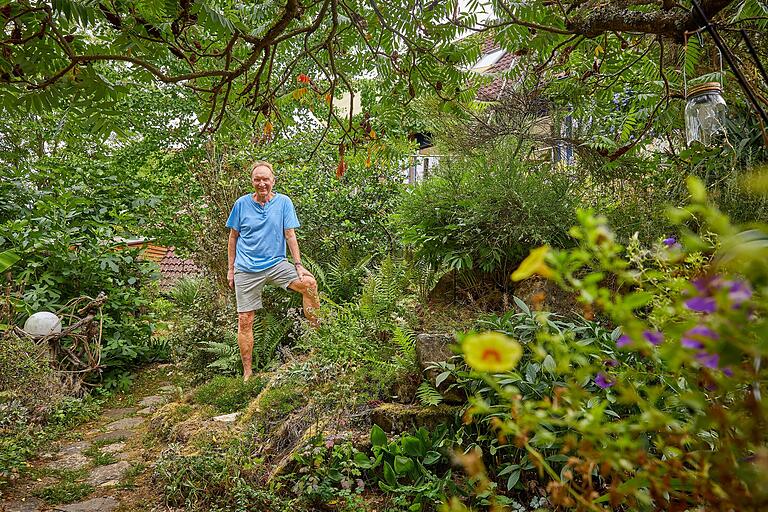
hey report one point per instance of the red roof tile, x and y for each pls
(173, 268)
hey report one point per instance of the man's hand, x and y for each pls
(303, 272)
(231, 278)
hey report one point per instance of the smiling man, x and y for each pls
(261, 224)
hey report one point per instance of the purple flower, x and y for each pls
(669, 242)
(707, 283)
(728, 371)
(708, 360)
(611, 363)
(653, 337)
(694, 337)
(623, 341)
(701, 304)
(603, 381)
(738, 292)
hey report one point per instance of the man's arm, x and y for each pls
(293, 246)
(231, 253)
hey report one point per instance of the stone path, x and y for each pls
(97, 465)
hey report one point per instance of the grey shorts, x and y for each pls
(248, 285)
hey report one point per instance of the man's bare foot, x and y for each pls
(246, 376)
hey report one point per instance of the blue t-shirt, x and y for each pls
(261, 243)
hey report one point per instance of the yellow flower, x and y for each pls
(533, 264)
(491, 352)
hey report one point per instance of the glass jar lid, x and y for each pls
(705, 88)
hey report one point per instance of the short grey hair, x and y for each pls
(261, 163)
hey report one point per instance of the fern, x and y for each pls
(425, 278)
(428, 395)
(404, 339)
(226, 354)
(268, 332)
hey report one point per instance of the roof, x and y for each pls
(173, 268)
(495, 90)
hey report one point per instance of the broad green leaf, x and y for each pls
(7, 259)
(378, 437)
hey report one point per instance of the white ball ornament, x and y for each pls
(42, 324)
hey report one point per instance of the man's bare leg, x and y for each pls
(245, 341)
(307, 287)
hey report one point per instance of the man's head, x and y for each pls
(262, 178)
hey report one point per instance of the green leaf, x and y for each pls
(430, 458)
(441, 378)
(363, 461)
(637, 299)
(7, 259)
(413, 446)
(403, 465)
(378, 437)
(522, 305)
(389, 474)
(513, 479)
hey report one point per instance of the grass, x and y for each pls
(98, 457)
(128, 481)
(69, 489)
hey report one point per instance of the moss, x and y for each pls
(401, 418)
(283, 399)
(276, 402)
(228, 394)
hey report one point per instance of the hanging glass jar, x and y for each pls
(705, 113)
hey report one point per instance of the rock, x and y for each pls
(120, 412)
(113, 448)
(227, 418)
(106, 504)
(152, 401)
(401, 418)
(124, 424)
(108, 475)
(543, 295)
(71, 461)
(145, 411)
(77, 447)
(25, 505)
(114, 436)
(70, 456)
(431, 347)
(436, 348)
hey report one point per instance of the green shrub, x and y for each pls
(486, 212)
(26, 374)
(228, 394)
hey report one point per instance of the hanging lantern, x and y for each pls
(42, 324)
(705, 113)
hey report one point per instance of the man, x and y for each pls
(260, 226)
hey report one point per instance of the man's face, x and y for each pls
(262, 180)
